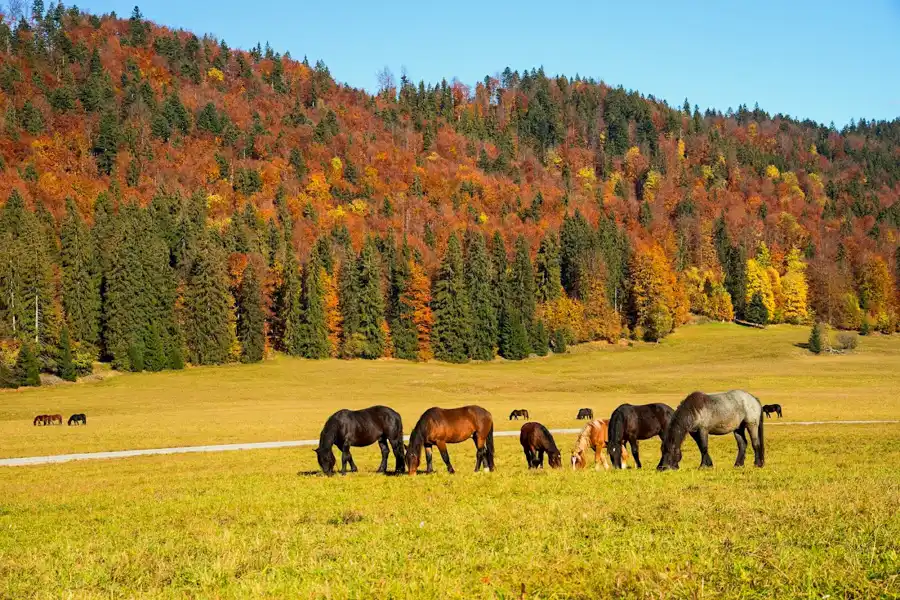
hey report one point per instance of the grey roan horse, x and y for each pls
(703, 414)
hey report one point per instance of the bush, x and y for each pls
(847, 340)
(659, 323)
(817, 338)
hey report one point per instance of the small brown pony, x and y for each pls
(593, 436)
(442, 426)
(536, 440)
(56, 420)
(42, 420)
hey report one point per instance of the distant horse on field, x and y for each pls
(537, 439)
(593, 436)
(42, 420)
(347, 428)
(56, 420)
(78, 418)
(585, 413)
(519, 413)
(630, 423)
(768, 409)
(703, 414)
(442, 426)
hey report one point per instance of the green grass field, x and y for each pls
(820, 520)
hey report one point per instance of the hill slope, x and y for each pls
(172, 146)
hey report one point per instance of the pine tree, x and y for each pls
(514, 343)
(27, 370)
(559, 342)
(317, 344)
(541, 339)
(106, 143)
(155, 357)
(289, 308)
(80, 278)
(816, 342)
(348, 293)
(757, 312)
(451, 334)
(547, 268)
(66, 367)
(482, 298)
(175, 358)
(371, 303)
(208, 307)
(576, 243)
(251, 322)
(521, 288)
(400, 311)
(136, 357)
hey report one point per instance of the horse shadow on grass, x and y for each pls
(321, 474)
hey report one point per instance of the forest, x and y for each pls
(169, 200)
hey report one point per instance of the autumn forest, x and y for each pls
(168, 200)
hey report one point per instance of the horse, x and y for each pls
(42, 420)
(535, 440)
(442, 426)
(514, 415)
(702, 414)
(593, 436)
(768, 409)
(632, 423)
(56, 420)
(585, 413)
(77, 418)
(347, 428)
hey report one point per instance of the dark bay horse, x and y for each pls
(630, 423)
(442, 426)
(77, 418)
(519, 413)
(703, 414)
(42, 420)
(768, 409)
(537, 439)
(56, 420)
(347, 428)
(585, 413)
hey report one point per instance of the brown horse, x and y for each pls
(536, 439)
(593, 436)
(56, 420)
(42, 420)
(442, 426)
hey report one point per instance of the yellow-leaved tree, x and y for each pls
(333, 319)
(794, 289)
(659, 302)
(758, 282)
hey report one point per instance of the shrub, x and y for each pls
(847, 340)
(659, 323)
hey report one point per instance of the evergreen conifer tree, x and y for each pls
(251, 322)
(513, 343)
(155, 357)
(521, 288)
(316, 342)
(80, 278)
(400, 312)
(450, 305)
(371, 303)
(208, 307)
(289, 308)
(136, 356)
(27, 370)
(816, 341)
(559, 342)
(541, 339)
(482, 298)
(66, 367)
(756, 311)
(547, 267)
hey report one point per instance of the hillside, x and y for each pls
(143, 169)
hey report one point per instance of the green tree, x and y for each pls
(289, 308)
(27, 370)
(399, 310)
(80, 277)
(756, 311)
(521, 287)
(66, 368)
(316, 343)
(208, 307)
(251, 322)
(136, 356)
(547, 267)
(348, 294)
(514, 343)
(155, 356)
(450, 304)
(371, 302)
(559, 342)
(816, 338)
(541, 339)
(482, 298)
(106, 143)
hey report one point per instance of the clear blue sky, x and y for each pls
(828, 61)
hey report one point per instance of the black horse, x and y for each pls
(514, 415)
(78, 418)
(772, 408)
(536, 440)
(630, 423)
(585, 413)
(347, 428)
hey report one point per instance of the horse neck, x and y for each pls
(677, 430)
(584, 438)
(416, 440)
(329, 434)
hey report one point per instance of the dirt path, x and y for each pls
(60, 458)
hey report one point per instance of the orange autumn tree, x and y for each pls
(333, 319)
(418, 296)
(658, 302)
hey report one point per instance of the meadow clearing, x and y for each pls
(820, 520)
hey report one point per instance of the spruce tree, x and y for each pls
(400, 312)
(208, 307)
(521, 288)
(155, 356)
(66, 366)
(251, 322)
(371, 303)
(547, 268)
(106, 143)
(316, 342)
(541, 339)
(559, 342)
(482, 298)
(499, 275)
(27, 370)
(348, 294)
(816, 341)
(289, 308)
(450, 337)
(80, 278)
(514, 343)
(756, 311)
(136, 356)
(175, 358)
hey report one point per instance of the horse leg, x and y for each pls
(384, 456)
(345, 458)
(701, 436)
(353, 468)
(634, 452)
(397, 446)
(757, 443)
(442, 448)
(741, 444)
(430, 468)
(529, 458)
(540, 458)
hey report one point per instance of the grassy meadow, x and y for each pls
(821, 520)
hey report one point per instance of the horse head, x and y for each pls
(555, 459)
(412, 461)
(671, 456)
(326, 460)
(577, 458)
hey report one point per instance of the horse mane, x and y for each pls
(549, 437)
(417, 437)
(584, 438)
(616, 428)
(683, 419)
(329, 432)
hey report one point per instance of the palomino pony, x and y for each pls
(703, 414)
(593, 436)
(536, 439)
(630, 423)
(519, 413)
(347, 428)
(442, 426)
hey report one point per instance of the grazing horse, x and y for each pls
(593, 436)
(768, 409)
(56, 420)
(347, 428)
(702, 414)
(442, 426)
(535, 440)
(585, 413)
(77, 418)
(514, 415)
(42, 420)
(630, 423)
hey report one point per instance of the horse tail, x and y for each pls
(762, 447)
(489, 446)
